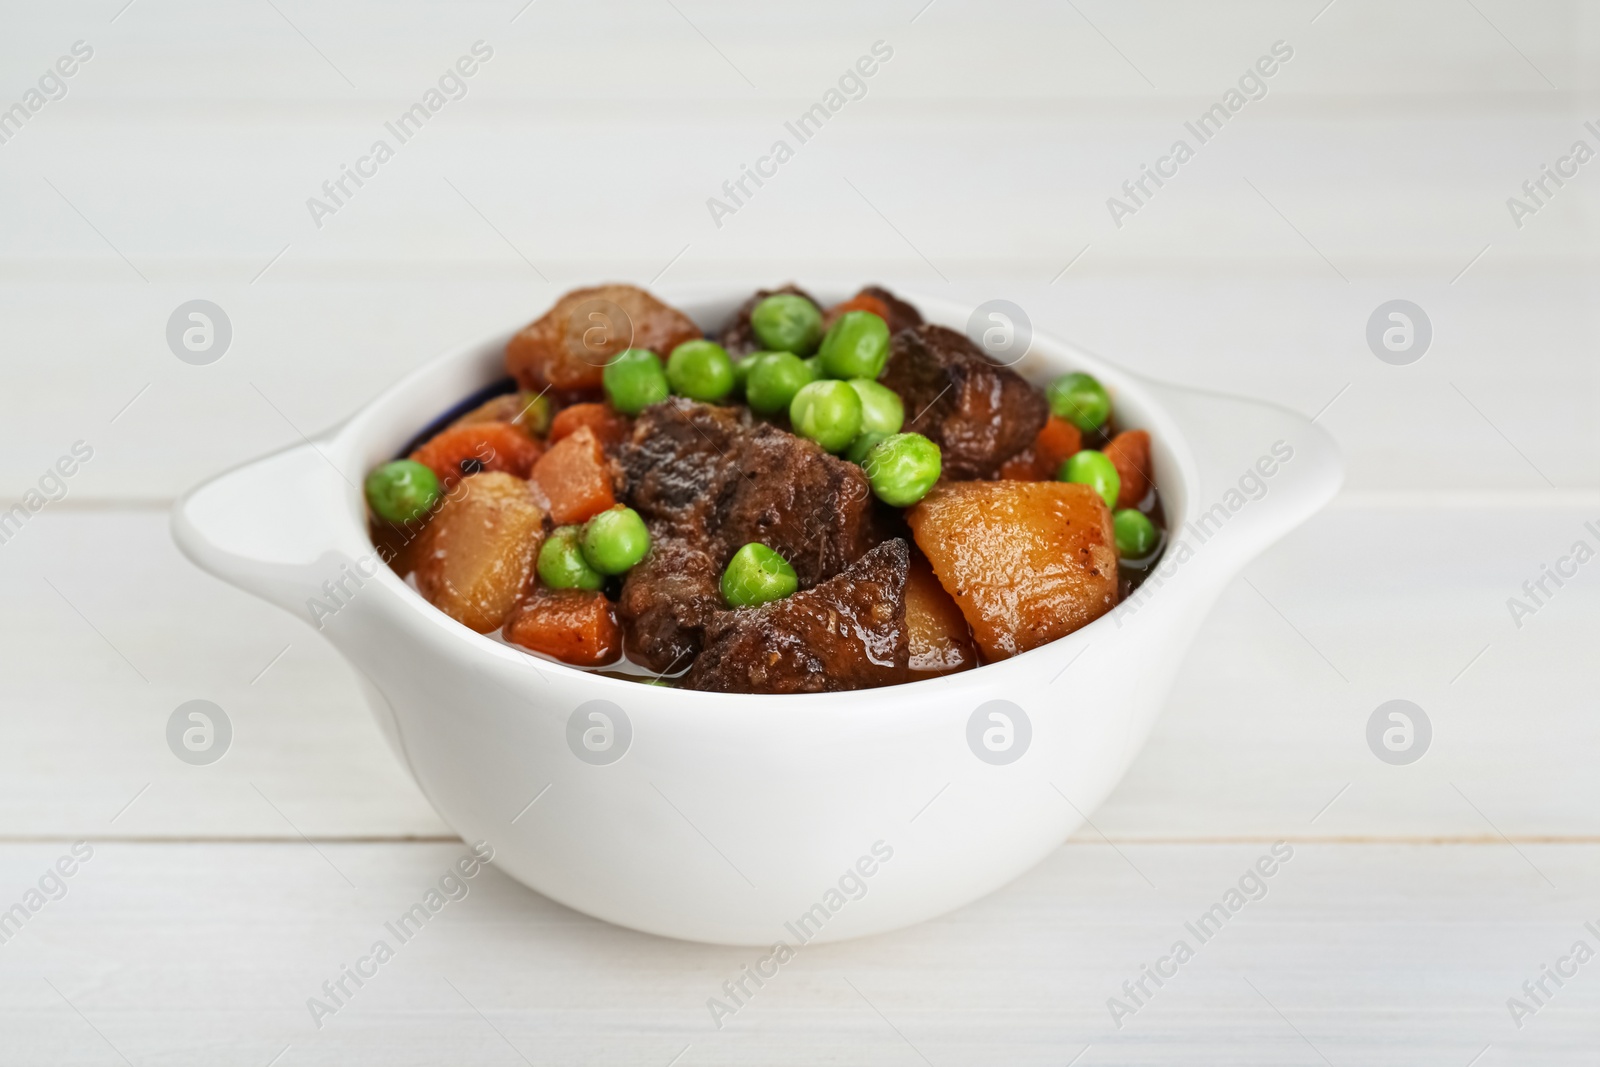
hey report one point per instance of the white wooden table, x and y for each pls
(218, 899)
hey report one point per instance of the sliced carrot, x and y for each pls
(609, 426)
(1058, 440)
(574, 477)
(1129, 452)
(859, 302)
(1022, 467)
(1040, 460)
(483, 446)
(572, 625)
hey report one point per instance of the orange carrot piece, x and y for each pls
(574, 477)
(1129, 452)
(1040, 460)
(1058, 440)
(609, 426)
(859, 302)
(1022, 467)
(575, 626)
(484, 446)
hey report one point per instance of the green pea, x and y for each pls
(700, 370)
(881, 409)
(561, 562)
(1095, 470)
(743, 367)
(402, 491)
(614, 540)
(857, 452)
(1079, 399)
(634, 380)
(774, 383)
(755, 575)
(827, 412)
(787, 323)
(902, 468)
(1136, 534)
(857, 346)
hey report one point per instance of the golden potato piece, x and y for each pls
(476, 556)
(528, 412)
(941, 641)
(1027, 562)
(567, 349)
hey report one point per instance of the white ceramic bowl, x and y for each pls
(752, 819)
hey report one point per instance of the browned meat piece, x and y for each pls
(737, 336)
(723, 481)
(678, 456)
(813, 509)
(849, 632)
(902, 316)
(567, 348)
(708, 480)
(978, 412)
(666, 601)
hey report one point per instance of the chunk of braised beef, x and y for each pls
(902, 316)
(723, 481)
(848, 632)
(708, 480)
(978, 412)
(678, 457)
(812, 508)
(666, 601)
(738, 336)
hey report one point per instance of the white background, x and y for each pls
(977, 165)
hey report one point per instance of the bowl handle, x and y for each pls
(279, 527)
(1259, 471)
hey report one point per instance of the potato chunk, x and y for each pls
(476, 556)
(1027, 562)
(941, 641)
(567, 348)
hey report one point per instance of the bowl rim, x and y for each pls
(372, 431)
